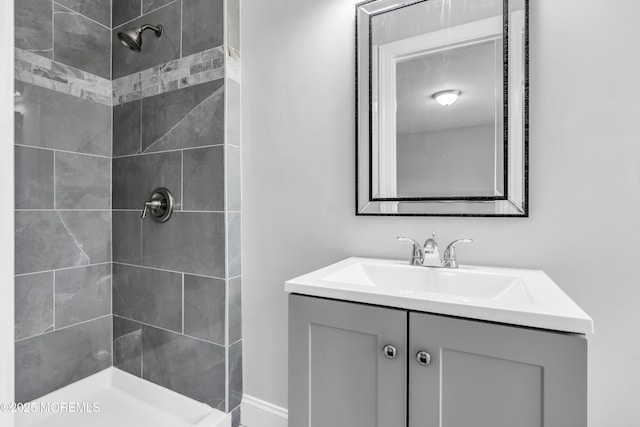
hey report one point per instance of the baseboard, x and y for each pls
(258, 413)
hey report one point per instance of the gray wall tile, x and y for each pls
(151, 5)
(82, 181)
(233, 112)
(186, 365)
(126, 129)
(98, 10)
(155, 51)
(81, 43)
(33, 304)
(233, 24)
(204, 179)
(127, 345)
(125, 10)
(202, 25)
(149, 296)
(55, 120)
(134, 178)
(82, 294)
(33, 178)
(53, 360)
(50, 240)
(235, 417)
(189, 117)
(234, 184)
(235, 375)
(190, 242)
(234, 244)
(127, 237)
(235, 309)
(204, 308)
(33, 26)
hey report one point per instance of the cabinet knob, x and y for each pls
(423, 358)
(389, 351)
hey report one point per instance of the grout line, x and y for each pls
(53, 33)
(168, 330)
(54, 301)
(62, 269)
(181, 26)
(63, 151)
(161, 152)
(67, 327)
(54, 179)
(182, 198)
(64, 210)
(138, 210)
(183, 303)
(169, 271)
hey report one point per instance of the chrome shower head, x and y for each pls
(132, 38)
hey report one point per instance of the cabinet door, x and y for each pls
(338, 374)
(488, 375)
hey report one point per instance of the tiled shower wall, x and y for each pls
(63, 193)
(176, 286)
(176, 289)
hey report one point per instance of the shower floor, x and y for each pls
(124, 401)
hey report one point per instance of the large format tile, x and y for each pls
(33, 304)
(47, 240)
(234, 184)
(185, 365)
(56, 359)
(191, 242)
(155, 51)
(204, 179)
(204, 308)
(33, 178)
(126, 129)
(125, 10)
(50, 119)
(81, 43)
(189, 117)
(98, 10)
(33, 26)
(235, 375)
(234, 244)
(235, 309)
(135, 178)
(82, 294)
(202, 25)
(149, 296)
(233, 24)
(151, 5)
(127, 237)
(127, 345)
(82, 181)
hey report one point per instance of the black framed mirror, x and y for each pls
(442, 108)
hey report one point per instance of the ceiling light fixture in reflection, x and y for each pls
(447, 97)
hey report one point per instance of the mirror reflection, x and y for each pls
(443, 120)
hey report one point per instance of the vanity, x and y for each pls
(376, 342)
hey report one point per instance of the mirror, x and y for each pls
(442, 107)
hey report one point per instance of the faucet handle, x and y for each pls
(417, 255)
(449, 259)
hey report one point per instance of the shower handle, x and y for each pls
(160, 205)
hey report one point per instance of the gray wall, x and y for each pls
(298, 136)
(176, 285)
(63, 196)
(449, 163)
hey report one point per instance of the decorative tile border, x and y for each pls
(192, 70)
(198, 68)
(44, 72)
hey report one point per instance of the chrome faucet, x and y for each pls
(428, 254)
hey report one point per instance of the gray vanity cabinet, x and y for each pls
(338, 376)
(490, 375)
(469, 373)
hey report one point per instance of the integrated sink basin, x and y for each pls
(513, 296)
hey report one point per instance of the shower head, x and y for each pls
(132, 38)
